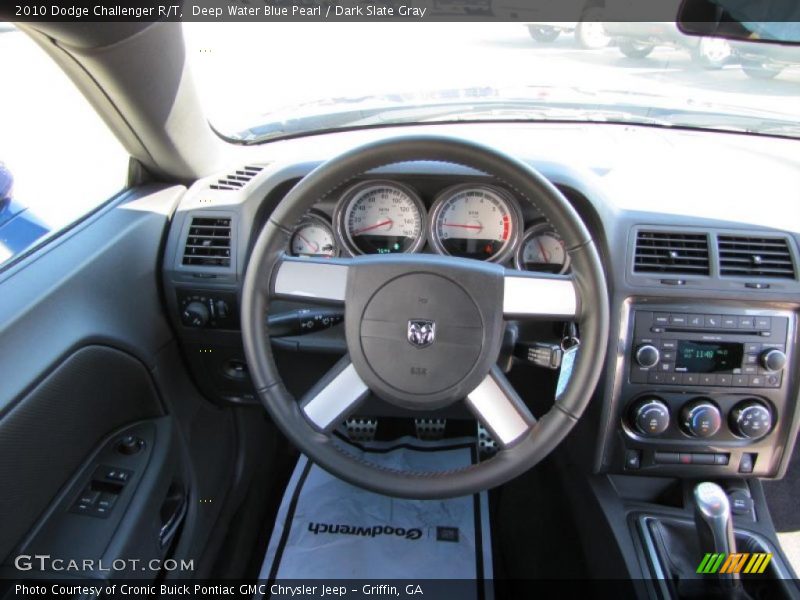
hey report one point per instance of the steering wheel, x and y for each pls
(425, 331)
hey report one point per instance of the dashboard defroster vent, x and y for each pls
(208, 243)
(746, 256)
(238, 179)
(671, 252)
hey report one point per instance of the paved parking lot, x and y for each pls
(268, 66)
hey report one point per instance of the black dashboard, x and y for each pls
(701, 370)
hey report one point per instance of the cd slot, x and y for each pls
(737, 332)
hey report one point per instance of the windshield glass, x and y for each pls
(262, 81)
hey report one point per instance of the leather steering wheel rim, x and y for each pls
(591, 315)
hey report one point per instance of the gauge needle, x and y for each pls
(479, 227)
(544, 252)
(313, 246)
(381, 224)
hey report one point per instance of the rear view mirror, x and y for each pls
(775, 21)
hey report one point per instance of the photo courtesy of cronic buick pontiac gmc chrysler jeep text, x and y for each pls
(296, 307)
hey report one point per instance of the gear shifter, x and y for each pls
(712, 517)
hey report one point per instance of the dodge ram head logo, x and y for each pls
(421, 333)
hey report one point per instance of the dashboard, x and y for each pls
(477, 220)
(703, 269)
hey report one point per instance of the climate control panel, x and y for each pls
(725, 417)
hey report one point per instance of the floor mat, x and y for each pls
(329, 529)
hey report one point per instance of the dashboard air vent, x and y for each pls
(238, 179)
(741, 256)
(671, 252)
(209, 242)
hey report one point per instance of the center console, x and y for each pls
(703, 390)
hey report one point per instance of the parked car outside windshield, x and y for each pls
(647, 73)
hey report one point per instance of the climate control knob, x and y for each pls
(750, 419)
(196, 314)
(647, 356)
(772, 360)
(700, 418)
(650, 416)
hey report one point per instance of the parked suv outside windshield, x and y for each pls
(380, 73)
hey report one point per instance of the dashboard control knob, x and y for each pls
(650, 416)
(195, 314)
(647, 356)
(772, 360)
(750, 419)
(700, 418)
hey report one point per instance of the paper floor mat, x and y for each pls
(329, 529)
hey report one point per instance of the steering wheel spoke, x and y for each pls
(334, 397)
(537, 295)
(500, 409)
(310, 278)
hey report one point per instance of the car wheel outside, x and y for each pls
(712, 53)
(635, 48)
(590, 32)
(760, 69)
(543, 33)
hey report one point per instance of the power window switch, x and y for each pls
(81, 508)
(88, 497)
(107, 500)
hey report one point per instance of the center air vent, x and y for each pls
(238, 179)
(741, 256)
(670, 252)
(209, 242)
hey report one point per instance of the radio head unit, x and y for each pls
(720, 350)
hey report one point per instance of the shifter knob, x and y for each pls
(712, 516)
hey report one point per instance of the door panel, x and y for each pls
(51, 430)
(88, 355)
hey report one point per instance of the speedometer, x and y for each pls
(381, 217)
(475, 221)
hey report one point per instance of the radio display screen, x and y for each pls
(708, 357)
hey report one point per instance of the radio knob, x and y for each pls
(647, 356)
(650, 416)
(751, 419)
(772, 360)
(196, 314)
(700, 418)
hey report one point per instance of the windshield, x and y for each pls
(262, 81)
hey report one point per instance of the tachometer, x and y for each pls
(475, 221)
(313, 236)
(542, 250)
(381, 217)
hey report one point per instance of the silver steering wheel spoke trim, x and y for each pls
(334, 397)
(500, 409)
(311, 278)
(531, 295)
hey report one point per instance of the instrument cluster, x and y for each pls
(470, 220)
